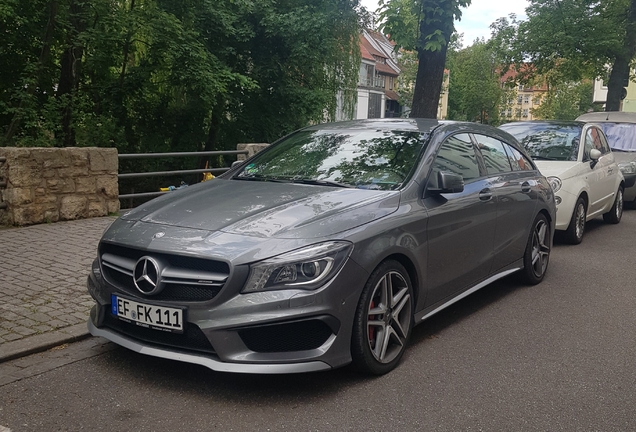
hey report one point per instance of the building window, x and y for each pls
(380, 81)
(526, 99)
(525, 112)
(520, 87)
(391, 83)
(509, 112)
(519, 99)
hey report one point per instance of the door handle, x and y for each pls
(525, 187)
(485, 194)
(610, 170)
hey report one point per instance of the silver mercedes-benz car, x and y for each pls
(324, 249)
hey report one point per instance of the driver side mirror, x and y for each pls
(448, 182)
(595, 156)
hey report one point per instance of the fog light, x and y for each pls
(557, 199)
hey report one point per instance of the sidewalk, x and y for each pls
(43, 296)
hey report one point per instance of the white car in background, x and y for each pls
(620, 130)
(580, 166)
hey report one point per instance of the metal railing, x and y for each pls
(3, 184)
(168, 173)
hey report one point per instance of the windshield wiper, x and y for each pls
(262, 178)
(321, 183)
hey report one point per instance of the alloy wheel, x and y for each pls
(389, 317)
(540, 248)
(580, 220)
(619, 204)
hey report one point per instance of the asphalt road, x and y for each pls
(560, 356)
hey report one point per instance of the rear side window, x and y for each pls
(518, 161)
(494, 154)
(457, 155)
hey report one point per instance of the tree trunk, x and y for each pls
(428, 84)
(430, 71)
(70, 66)
(619, 77)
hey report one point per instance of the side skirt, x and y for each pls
(426, 313)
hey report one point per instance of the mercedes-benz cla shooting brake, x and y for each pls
(324, 249)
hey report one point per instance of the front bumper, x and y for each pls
(629, 194)
(216, 365)
(287, 331)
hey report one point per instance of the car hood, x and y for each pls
(622, 156)
(267, 209)
(561, 169)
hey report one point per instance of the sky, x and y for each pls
(477, 17)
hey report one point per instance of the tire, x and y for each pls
(384, 320)
(616, 212)
(576, 229)
(537, 254)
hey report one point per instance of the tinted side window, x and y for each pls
(457, 155)
(495, 156)
(518, 161)
(604, 144)
(593, 140)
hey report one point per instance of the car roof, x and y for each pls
(549, 122)
(415, 125)
(422, 125)
(610, 116)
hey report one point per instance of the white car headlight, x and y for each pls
(627, 167)
(306, 268)
(555, 183)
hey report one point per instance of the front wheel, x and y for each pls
(537, 254)
(574, 233)
(616, 212)
(384, 319)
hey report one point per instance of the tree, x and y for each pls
(159, 75)
(474, 89)
(576, 39)
(425, 26)
(565, 101)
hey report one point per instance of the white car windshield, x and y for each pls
(547, 141)
(620, 136)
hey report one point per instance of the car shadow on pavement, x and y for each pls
(172, 376)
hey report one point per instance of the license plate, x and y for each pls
(146, 315)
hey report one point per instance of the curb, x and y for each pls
(35, 344)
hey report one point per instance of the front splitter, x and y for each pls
(250, 368)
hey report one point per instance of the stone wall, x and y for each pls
(252, 149)
(53, 184)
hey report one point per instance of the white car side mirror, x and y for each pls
(595, 154)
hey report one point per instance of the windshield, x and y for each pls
(545, 141)
(620, 136)
(366, 159)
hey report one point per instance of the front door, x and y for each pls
(461, 226)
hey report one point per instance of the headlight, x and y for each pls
(555, 183)
(306, 268)
(627, 167)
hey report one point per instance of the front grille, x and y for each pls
(292, 336)
(191, 339)
(187, 279)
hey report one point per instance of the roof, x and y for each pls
(609, 116)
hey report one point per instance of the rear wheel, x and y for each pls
(384, 319)
(616, 212)
(537, 254)
(574, 233)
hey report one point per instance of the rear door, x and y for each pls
(516, 186)
(461, 226)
